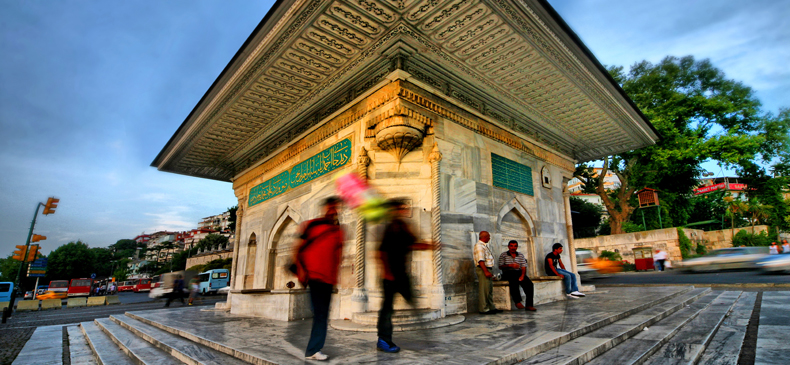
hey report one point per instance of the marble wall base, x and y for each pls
(546, 291)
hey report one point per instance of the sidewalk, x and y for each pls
(479, 339)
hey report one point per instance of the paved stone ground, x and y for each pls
(18, 329)
(11, 342)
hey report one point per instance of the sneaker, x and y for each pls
(382, 345)
(519, 306)
(531, 309)
(571, 296)
(317, 356)
(578, 294)
(497, 311)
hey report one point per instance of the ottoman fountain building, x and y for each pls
(476, 111)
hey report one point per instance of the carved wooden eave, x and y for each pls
(514, 62)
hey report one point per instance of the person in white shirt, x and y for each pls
(484, 260)
(785, 246)
(658, 259)
(774, 249)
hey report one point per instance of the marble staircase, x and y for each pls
(668, 325)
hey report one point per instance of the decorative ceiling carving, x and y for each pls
(502, 58)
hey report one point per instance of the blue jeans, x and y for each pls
(320, 295)
(569, 280)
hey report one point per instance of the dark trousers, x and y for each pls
(320, 295)
(512, 279)
(401, 286)
(659, 264)
(176, 294)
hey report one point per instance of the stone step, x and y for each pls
(399, 317)
(726, 345)
(104, 349)
(80, 353)
(640, 347)
(586, 347)
(182, 349)
(501, 339)
(687, 346)
(140, 351)
(235, 347)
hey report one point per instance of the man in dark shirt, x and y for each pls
(396, 243)
(555, 267)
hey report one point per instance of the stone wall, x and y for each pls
(208, 257)
(660, 239)
(723, 238)
(471, 203)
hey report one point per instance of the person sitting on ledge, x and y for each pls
(555, 267)
(514, 269)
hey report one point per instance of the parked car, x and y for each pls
(29, 294)
(725, 259)
(774, 263)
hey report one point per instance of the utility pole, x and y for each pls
(49, 208)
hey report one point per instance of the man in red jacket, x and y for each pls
(318, 260)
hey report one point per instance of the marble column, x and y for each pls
(235, 255)
(437, 297)
(359, 297)
(566, 194)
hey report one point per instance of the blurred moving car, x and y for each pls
(590, 266)
(725, 259)
(53, 295)
(774, 263)
(28, 294)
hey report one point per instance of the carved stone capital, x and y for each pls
(435, 155)
(363, 159)
(399, 129)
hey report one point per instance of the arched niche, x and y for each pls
(280, 251)
(249, 267)
(515, 223)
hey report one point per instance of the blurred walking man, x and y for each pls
(397, 242)
(317, 260)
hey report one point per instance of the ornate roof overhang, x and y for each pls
(513, 61)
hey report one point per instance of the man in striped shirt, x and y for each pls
(514, 269)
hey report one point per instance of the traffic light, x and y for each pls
(31, 254)
(49, 208)
(19, 253)
(38, 237)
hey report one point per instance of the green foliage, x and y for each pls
(701, 249)
(121, 274)
(610, 255)
(629, 227)
(586, 217)
(218, 264)
(684, 243)
(699, 115)
(69, 261)
(746, 238)
(126, 248)
(232, 218)
(629, 266)
(102, 261)
(197, 268)
(212, 241)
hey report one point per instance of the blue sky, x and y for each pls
(90, 91)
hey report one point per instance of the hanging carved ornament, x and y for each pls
(399, 135)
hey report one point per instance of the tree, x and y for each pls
(212, 241)
(699, 115)
(232, 219)
(586, 217)
(103, 261)
(69, 261)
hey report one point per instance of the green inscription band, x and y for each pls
(314, 167)
(511, 175)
